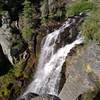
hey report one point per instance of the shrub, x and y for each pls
(10, 77)
(44, 11)
(27, 33)
(79, 6)
(91, 26)
(1, 8)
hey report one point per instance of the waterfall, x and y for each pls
(48, 74)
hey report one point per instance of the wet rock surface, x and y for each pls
(32, 96)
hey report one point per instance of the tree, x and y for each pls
(44, 10)
(27, 17)
(1, 6)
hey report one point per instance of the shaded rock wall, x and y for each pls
(10, 39)
(4, 62)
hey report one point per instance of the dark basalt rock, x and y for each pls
(71, 32)
(29, 96)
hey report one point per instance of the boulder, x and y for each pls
(32, 96)
(29, 96)
(82, 73)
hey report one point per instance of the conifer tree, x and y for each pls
(27, 17)
(44, 10)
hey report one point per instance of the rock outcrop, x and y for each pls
(6, 37)
(10, 39)
(82, 73)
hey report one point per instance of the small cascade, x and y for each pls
(48, 74)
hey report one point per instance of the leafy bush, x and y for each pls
(91, 26)
(10, 78)
(79, 6)
(27, 33)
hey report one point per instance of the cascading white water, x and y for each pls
(49, 68)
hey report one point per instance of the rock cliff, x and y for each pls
(10, 39)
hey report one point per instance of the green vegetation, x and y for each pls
(52, 10)
(90, 28)
(11, 78)
(44, 11)
(79, 6)
(27, 17)
(1, 7)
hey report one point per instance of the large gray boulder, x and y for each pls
(82, 73)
